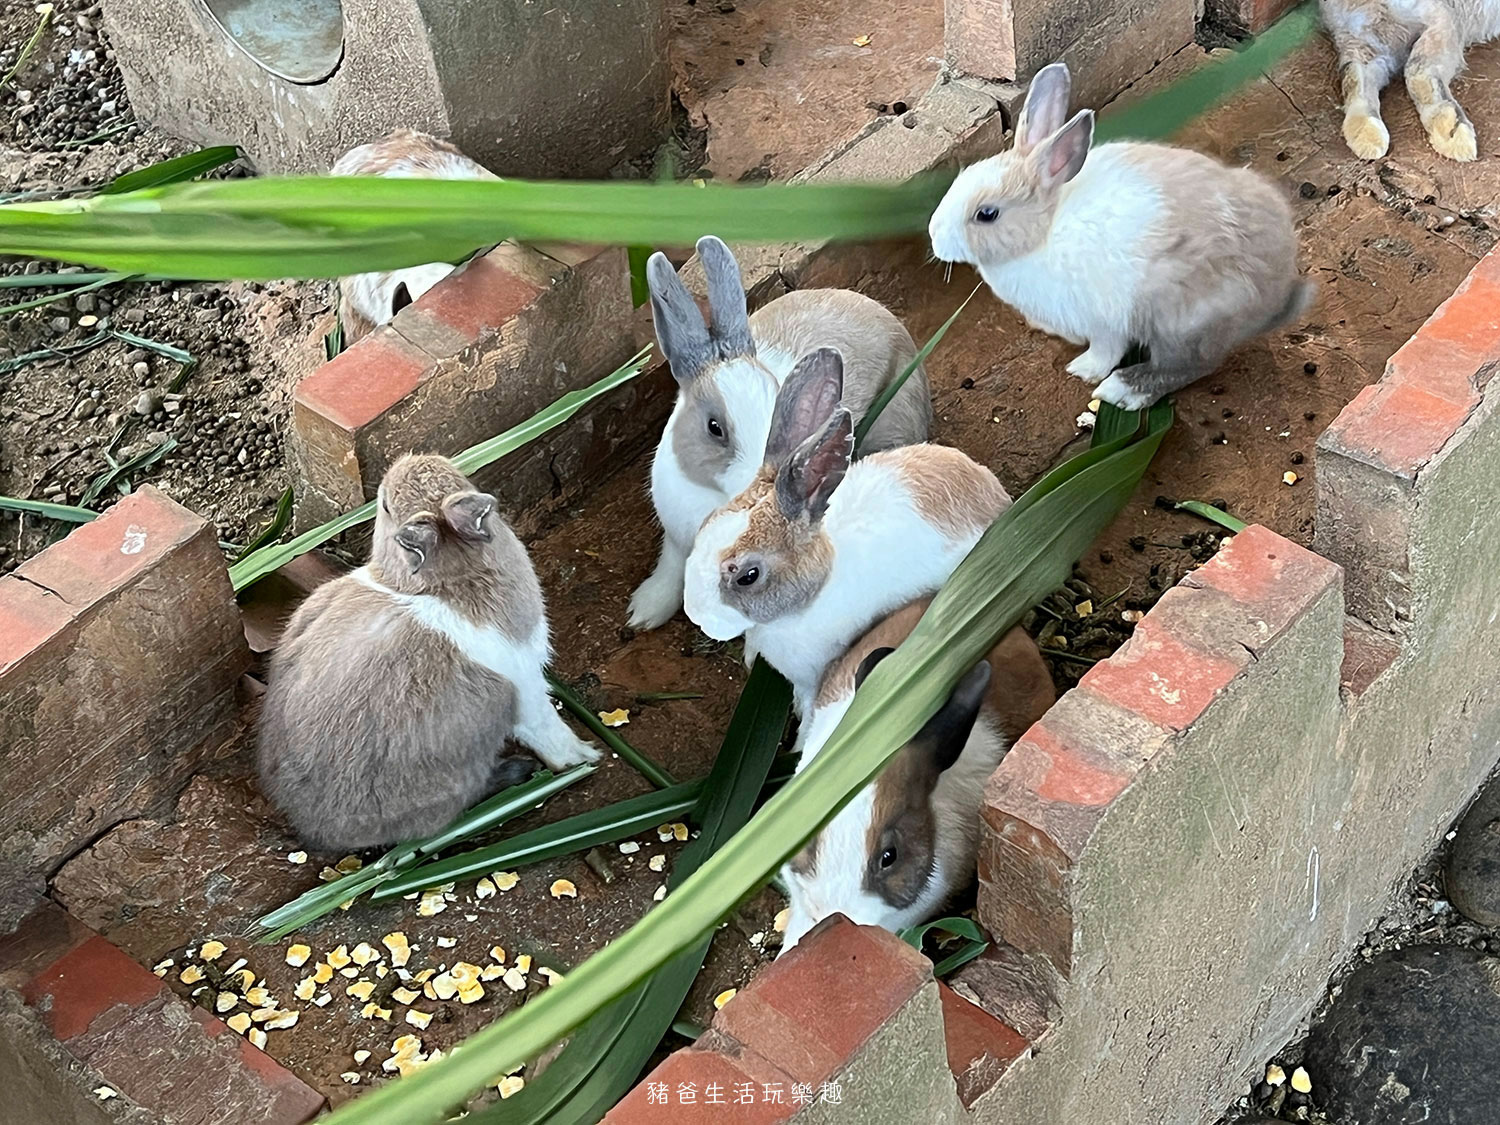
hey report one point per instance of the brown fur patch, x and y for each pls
(902, 817)
(805, 862)
(421, 151)
(952, 492)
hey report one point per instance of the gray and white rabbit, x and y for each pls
(728, 372)
(906, 844)
(368, 300)
(396, 687)
(1127, 244)
(1425, 39)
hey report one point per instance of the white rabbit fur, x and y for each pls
(728, 373)
(1128, 245)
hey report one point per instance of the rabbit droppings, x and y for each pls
(1131, 243)
(368, 300)
(728, 372)
(395, 687)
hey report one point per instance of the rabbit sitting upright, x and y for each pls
(1130, 244)
(395, 687)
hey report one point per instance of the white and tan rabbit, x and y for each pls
(728, 373)
(906, 844)
(368, 300)
(396, 687)
(1130, 244)
(816, 549)
(1377, 39)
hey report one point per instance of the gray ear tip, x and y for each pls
(659, 270)
(713, 244)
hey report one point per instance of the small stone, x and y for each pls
(146, 405)
(351, 1077)
(104, 1093)
(59, 324)
(86, 409)
(1308, 190)
(629, 847)
(140, 369)
(1472, 872)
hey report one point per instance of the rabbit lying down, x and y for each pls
(396, 687)
(1127, 243)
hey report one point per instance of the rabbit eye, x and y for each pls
(887, 858)
(749, 577)
(987, 214)
(714, 428)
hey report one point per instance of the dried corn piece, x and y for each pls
(724, 997)
(323, 1000)
(1289, 477)
(329, 875)
(239, 1022)
(1084, 607)
(339, 957)
(348, 865)
(225, 1001)
(103, 1093)
(564, 888)
(296, 857)
(380, 971)
(237, 966)
(351, 1077)
(306, 989)
(510, 1085)
(629, 847)
(258, 997)
(351, 972)
(552, 975)
(1301, 1081)
(444, 987)
(432, 903)
(364, 953)
(280, 1021)
(464, 973)
(212, 950)
(405, 995)
(322, 972)
(418, 1019)
(190, 975)
(361, 1057)
(498, 953)
(485, 888)
(523, 962)
(470, 993)
(373, 1011)
(297, 955)
(505, 880)
(1131, 616)
(663, 832)
(161, 967)
(261, 1015)
(257, 1038)
(781, 920)
(617, 718)
(657, 863)
(400, 949)
(425, 975)
(360, 989)
(446, 942)
(515, 980)
(492, 972)
(429, 992)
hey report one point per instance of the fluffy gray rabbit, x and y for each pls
(1128, 244)
(1376, 39)
(396, 687)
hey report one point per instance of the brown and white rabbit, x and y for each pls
(906, 844)
(1131, 243)
(1425, 39)
(817, 549)
(396, 687)
(728, 372)
(368, 300)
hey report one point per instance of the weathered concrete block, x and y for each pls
(124, 1028)
(120, 648)
(1106, 43)
(569, 88)
(481, 351)
(1248, 16)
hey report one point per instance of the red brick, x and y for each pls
(1271, 580)
(1367, 653)
(1400, 427)
(1448, 352)
(810, 1010)
(85, 982)
(362, 383)
(461, 308)
(1160, 678)
(700, 1070)
(99, 557)
(980, 1047)
(1025, 890)
(29, 618)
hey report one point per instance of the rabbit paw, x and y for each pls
(1367, 137)
(1093, 366)
(1451, 135)
(655, 601)
(1116, 391)
(569, 751)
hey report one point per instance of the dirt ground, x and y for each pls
(1386, 241)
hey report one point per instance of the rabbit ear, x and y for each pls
(1046, 106)
(418, 539)
(729, 318)
(400, 298)
(466, 512)
(942, 738)
(807, 398)
(867, 665)
(679, 325)
(1060, 157)
(806, 481)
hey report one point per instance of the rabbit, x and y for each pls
(906, 844)
(368, 300)
(396, 686)
(727, 375)
(816, 549)
(1130, 244)
(1426, 40)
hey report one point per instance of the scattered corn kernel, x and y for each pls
(470, 993)
(404, 995)
(280, 1021)
(505, 880)
(629, 847)
(161, 967)
(679, 832)
(104, 1093)
(261, 1015)
(510, 1085)
(523, 962)
(1275, 1076)
(298, 955)
(364, 953)
(239, 1022)
(429, 992)
(306, 989)
(1094, 405)
(418, 1019)
(296, 857)
(237, 966)
(399, 947)
(464, 973)
(323, 1000)
(373, 1011)
(1084, 607)
(1289, 477)
(515, 980)
(661, 893)
(485, 888)
(564, 888)
(322, 972)
(212, 950)
(552, 975)
(446, 942)
(225, 1001)
(351, 972)
(339, 957)
(351, 1077)
(492, 972)
(657, 863)
(617, 718)
(190, 975)
(444, 987)
(861, 40)
(781, 919)
(329, 875)
(1301, 1081)
(498, 953)
(724, 997)
(432, 903)
(348, 865)
(663, 832)
(361, 1056)
(257, 1038)
(360, 989)
(259, 997)
(425, 975)
(380, 971)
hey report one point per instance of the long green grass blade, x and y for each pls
(189, 166)
(1025, 555)
(640, 289)
(581, 711)
(883, 399)
(67, 513)
(123, 471)
(279, 521)
(45, 13)
(100, 282)
(1215, 515)
(322, 226)
(254, 567)
(51, 280)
